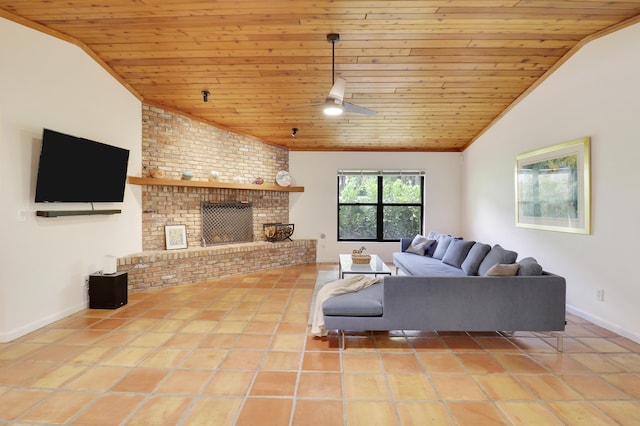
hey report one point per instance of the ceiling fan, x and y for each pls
(335, 104)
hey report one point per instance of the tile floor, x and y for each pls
(236, 351)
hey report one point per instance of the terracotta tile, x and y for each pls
(261, 327)
(519, 364)
(118, 407)
(461, 344)
(153, 340)
(560, 363)
(109, 324)
(213, 411)
(320, 385)
(265, 412)
(118, 338)
(281, 361)
(55, 377)
(457, 387)
(141, 380)
(593, 387)
(219, 341)
(423, 413)
(528, 413)
(184, 382)
(274, 383)
(498, 344)
(199, 326)
(205, 358)
(17, 401)
(476, 413)
(252, 341)
(629, 383)
(480, 363)
(59, 408)
(371, 413)
(535, 344)
(363, 362)
(165, 358)
(435, 363)
(629, 361)
(400, 363)
(503, 387)
(160, 410)
(84, 337)
(386, 342)
(623, 412)
(242, 360)
(288, 342)
(411, 387)
(602, 345)
(365, 386)
(579, 412)
(321, 361)
(229, 383)
(54, 353)
(424, 344)
(169, 325)
(100, 379)
(318, 413)
(549, 387)
(20, 372)
(597, 363)
(128, 357)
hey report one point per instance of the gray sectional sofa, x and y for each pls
(450, 284)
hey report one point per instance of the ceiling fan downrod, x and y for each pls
(333, 38)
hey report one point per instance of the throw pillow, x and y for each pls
(443, 245)
(419, 245)
(457, 252)
(496, 255)
(432, 235)
(529, 266)
(474, 258)
(503, 270)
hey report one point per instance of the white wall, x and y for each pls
(45, 82)
(314, 212)
(595, 93)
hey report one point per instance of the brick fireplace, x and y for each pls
(174, 143)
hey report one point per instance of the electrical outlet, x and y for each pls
(600, 294)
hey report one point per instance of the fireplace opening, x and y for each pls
(226, 223)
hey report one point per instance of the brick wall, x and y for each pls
(174, 267)
(174, 143)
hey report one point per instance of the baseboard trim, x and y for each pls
(604, 323)
(9, 336)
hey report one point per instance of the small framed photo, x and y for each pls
(176, 236)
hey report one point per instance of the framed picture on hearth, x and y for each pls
(553, 188)
(175, 236)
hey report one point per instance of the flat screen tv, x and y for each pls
(74, 169)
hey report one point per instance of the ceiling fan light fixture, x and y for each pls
(331, 107)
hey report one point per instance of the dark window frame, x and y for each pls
(380, 205)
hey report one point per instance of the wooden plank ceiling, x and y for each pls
(437, 72)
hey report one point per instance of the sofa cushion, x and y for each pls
(496, 255)
(503, 270)
(442, 246)
(432, 235)
(424, 265)
(474, 258)
(364, 303)
(419, 244)
(529, 266)
(457, 252)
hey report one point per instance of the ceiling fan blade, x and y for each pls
(302, 107)
(357, 109)
(337, 91)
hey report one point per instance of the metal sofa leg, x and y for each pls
(341, 339)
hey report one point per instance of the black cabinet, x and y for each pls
(108, 291)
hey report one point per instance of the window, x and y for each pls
(379, 205)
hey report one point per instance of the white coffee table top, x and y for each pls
(376, 266)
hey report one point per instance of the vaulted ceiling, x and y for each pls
(437, 72)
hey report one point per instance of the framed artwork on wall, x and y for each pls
(175, 236)
(553, 188)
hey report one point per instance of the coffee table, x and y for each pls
(375, 267)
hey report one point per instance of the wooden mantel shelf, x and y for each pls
(134, 180)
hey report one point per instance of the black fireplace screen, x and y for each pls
(227, 222)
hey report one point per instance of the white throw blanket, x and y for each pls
(345, 285)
